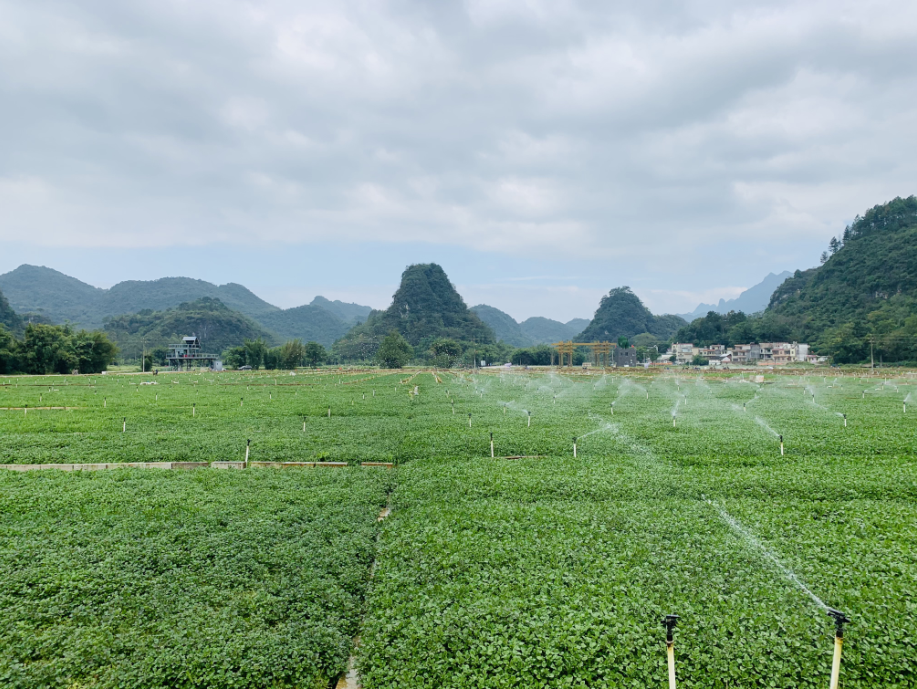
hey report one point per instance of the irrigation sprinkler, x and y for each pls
(612, 408)
(555, 399)
(364, 395)
(529, 420)
(669, 622)
(329, 412)
(469, 421)
(193, 409)
(25, 410)
(124, 425)
(845, 421)
(248, 445)
(491, 445)
(840, 619)
(303, 424)
(504, 409)
(574, 447)
(673, 420)
(647, 394)
(781, 446)
(744, 406)
(241, 401)
(104, 401)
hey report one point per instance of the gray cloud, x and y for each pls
(657, 136)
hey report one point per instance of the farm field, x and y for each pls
(542, 571)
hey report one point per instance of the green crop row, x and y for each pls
(183, 579)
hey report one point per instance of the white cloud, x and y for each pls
(658, 140)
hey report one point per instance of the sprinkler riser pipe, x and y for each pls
(836, 662)
(670, 654)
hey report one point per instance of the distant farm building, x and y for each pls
(187, 355)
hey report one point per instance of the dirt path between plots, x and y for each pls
(351, 679)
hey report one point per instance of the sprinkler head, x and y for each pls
(669, 622)
(840, 619)
(781, 438)
(248, 442)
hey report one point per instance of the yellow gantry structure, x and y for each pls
(601, 352)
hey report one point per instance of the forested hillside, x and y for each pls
(546, 330)
(425, 308)
(864, 292)
(504, 326)
(9, 318)
(347, 312)
(218, 326)
(306, 323)
(57, 298)
(622, 314)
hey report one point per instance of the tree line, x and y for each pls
(47, 349)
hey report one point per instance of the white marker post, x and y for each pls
(530, 420)
(124, 425)
(469, 421)
(574, 447)
(491, 445)
(248, 444)
(193, 409)
(845, 421)
(781, 446)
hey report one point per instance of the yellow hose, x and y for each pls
(836, 665)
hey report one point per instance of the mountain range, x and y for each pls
(532, 331)
(58, 298)
(752, 300)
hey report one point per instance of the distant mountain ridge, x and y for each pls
(532, 331)
(752, 300)
(61, 298)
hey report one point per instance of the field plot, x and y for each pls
(134, 578)
(745, 508)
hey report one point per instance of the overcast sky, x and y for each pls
(543, 152)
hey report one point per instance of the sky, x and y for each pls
(541, 151)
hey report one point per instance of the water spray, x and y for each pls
(669, 622)
(840, 619)
(781, 446)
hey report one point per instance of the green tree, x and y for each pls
(93, 352)
(314, 354)
(7, 351)
(292, 354)
(698, 360)
(395, 351)
(254, 352)
(446, 352)
(46, 349)
(623, 342)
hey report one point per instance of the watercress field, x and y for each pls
(542, 571)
